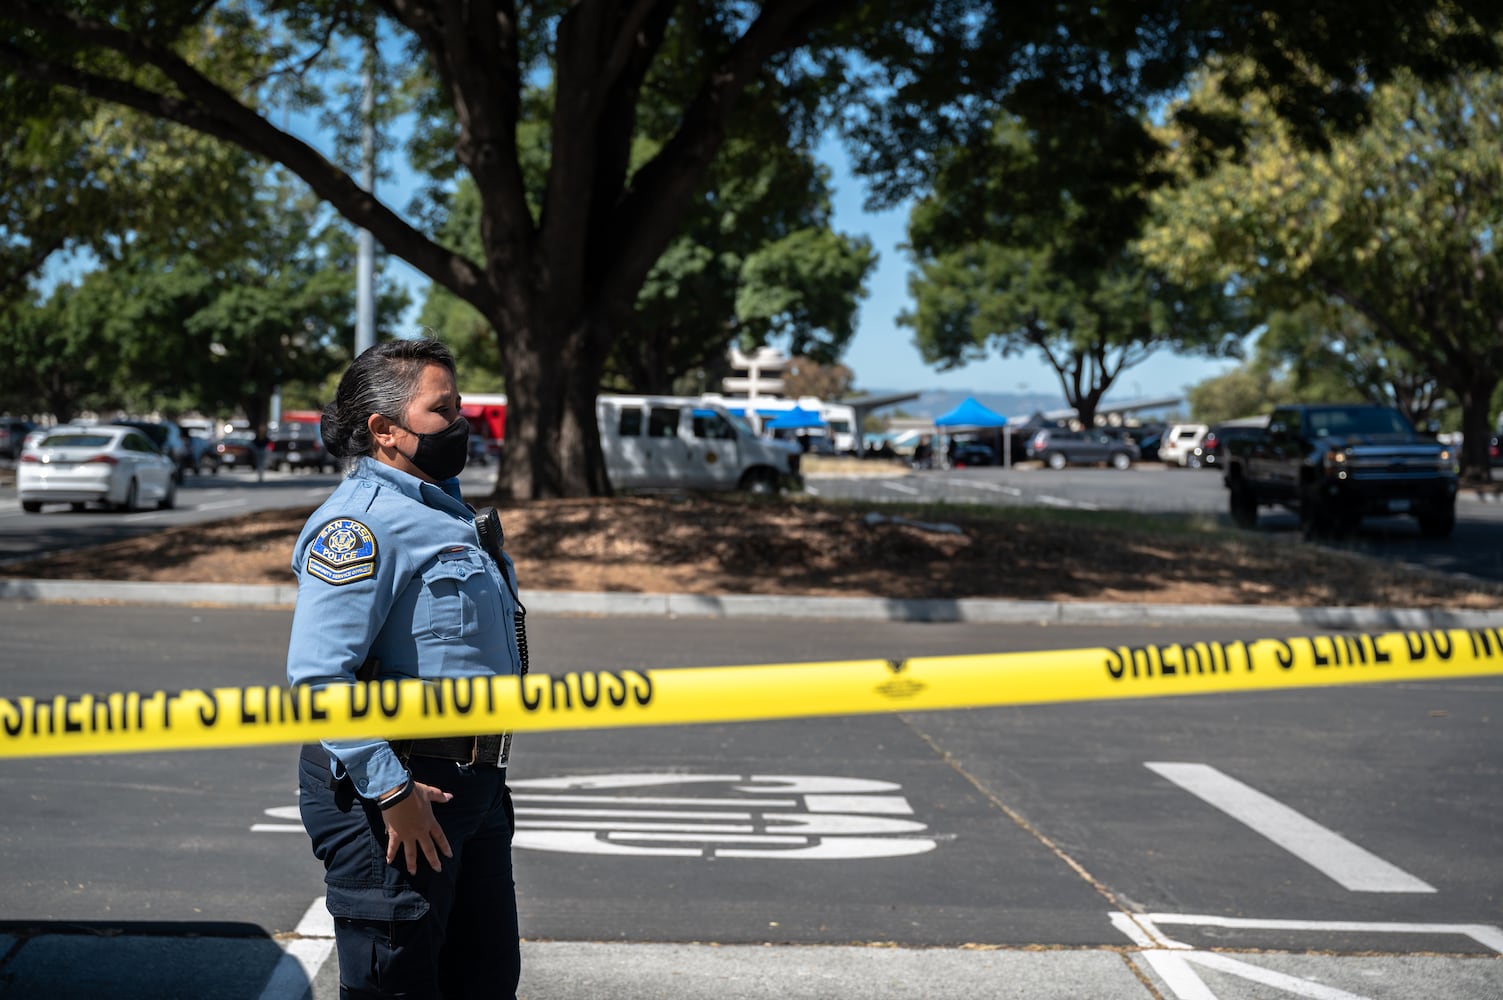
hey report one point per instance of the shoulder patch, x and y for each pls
(343, 552)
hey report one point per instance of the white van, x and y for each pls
(837, 420)
(686, 442)
(1179, 441)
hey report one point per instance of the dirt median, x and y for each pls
(799, 546)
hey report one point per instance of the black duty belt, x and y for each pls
(486, 751)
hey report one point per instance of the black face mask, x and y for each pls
(442, 454)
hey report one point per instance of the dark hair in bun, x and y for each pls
(382, 380)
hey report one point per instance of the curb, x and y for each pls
(966, 610)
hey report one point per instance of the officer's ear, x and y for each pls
(383, 430)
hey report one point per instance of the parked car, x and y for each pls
(169, 439)
(1495, 450)
(298, 445)
(13, 431)
(972, 453)
(199, 435)
(1059, 448)
(479, 452)
(116, 465)
(1148, 446)
(36, 434)
(236, 451)
(1211, 452)
(1179, 443)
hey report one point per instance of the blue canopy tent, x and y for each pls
(792, 425)
(971, 415)
(796, 419)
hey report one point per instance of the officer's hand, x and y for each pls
(410, 827)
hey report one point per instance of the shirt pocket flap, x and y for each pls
(461, 595)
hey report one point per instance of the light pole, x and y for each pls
(365, 264)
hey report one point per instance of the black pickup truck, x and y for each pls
(1336, 463)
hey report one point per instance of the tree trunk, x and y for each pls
(1476, 398)
(552, 438)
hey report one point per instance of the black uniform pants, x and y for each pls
(441, 935)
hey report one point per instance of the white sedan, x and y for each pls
(115, 466)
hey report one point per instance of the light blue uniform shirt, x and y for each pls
(390, 567)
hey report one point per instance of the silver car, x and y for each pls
(104, 463)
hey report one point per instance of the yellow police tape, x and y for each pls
(231, 717)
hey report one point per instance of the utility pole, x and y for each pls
(365, 265)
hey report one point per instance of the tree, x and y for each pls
(58, 360)
(217, 330)
(1000, 273)
(1319, 353)
(1389, 233)
(1332, 352)
(757, 261)
(1247, 390)
(1090, 324)
(805, 376)
(558, 280)
(283, 308)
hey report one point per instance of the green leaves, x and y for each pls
(1386, 239)
(1028, 270)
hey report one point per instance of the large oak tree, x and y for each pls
(559, 278)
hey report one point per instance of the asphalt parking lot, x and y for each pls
(1327, 843)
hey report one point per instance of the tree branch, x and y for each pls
(594, 120)
(301, 66)
(649, 215)
(206, 107)
(474, 47)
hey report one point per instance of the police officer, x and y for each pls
(393, 583)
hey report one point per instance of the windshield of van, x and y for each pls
(741, 424)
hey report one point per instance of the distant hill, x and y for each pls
(934, 402)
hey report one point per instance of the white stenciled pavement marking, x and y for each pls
(281, 812)
(785, 817)
(1352, 867)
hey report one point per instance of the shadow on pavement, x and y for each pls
(136, 960)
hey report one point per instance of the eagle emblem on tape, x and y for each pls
(343, 552)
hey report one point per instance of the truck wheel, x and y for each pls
(761, 482)
(31, 506)
(1437, 522)
(1243, 505)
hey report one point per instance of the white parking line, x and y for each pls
(1354, 868)
(1487, 935)
(222, 504)
(1011, 491)
(900, 488)
(303, 957)
(1053, 501)
(1172, 959)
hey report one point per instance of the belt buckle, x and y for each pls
(488, 751)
